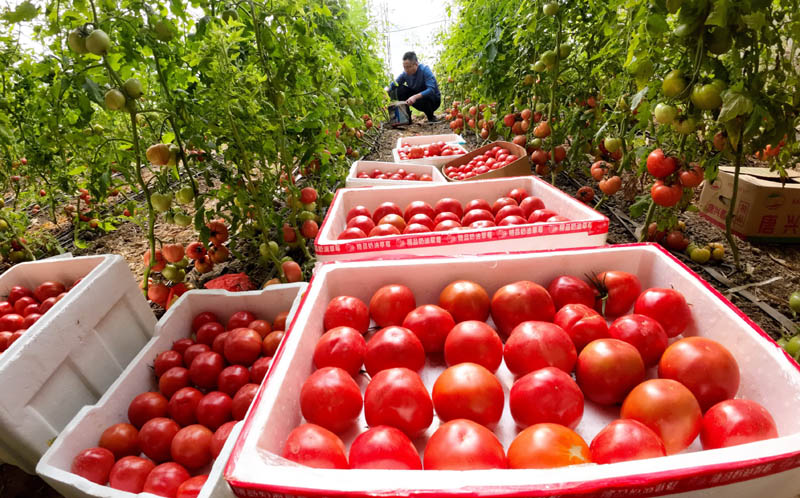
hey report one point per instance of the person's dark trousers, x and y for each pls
(425, 104)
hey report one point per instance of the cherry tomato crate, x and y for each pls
(768, 376)
(84, 430)
(71, 355)
(435, 160)
(368, 166)
(586, 228)
(520, 167)
(449, 138)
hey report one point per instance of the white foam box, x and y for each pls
(450, 138)
(70, 356)
(587, 228)
(84, 430)
(352, 179)
(435, 160)
(765, 468)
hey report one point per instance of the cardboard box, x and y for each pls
(368, 166)
(587, 228)
(769, 468)
(520, 167)
(70, 356)
(84, 430)
(766, 210)
(450, 138)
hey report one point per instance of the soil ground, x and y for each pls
(765, 303)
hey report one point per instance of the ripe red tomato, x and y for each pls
(146, 406)
(331, 399)
(469, 391)
(165, 479)
(259, 369)
(546, 395)
(477, 215)
(232, 378)
(315, 446)
(208, 332)
(352, 233)
(357, 211)
(393, 347)
(155, 438)
(501, 203)
(205, 369)
(242, 347)
(220, 436)
(449, 205)
(384, 230)
(666, 195)
(659, 165)
(191, 487)
(121, 440)
(582, 323)
(390, 304)
(214, 409)
(430, 324)
(618, 291)
(398, 398)
(384, 209)
(704, 366)
(520, 302)
(477, 204)
(395, 220)
(342, 347)
(270, 343)
(17, 292)
(130, 473)
(508, 211)
(191, 446)
(473, 341)
(280, 321)
(194, 350)
(625, 439)
(23, 303)
(463, 445)
(643, 333)
(533, 345)
(465, 300)
(384, 447)
(608, 369)
(567, 289)
(363, 223)
(11, 322)
(240, 319)
(518, 194)
(94, 464)
(692, 178)
(166, 360)
(421, 219)
(242, 400)
(531, 204)
(48, 289)
(547, 446)
(668, 408)
(181, 345)
(263, 327)
(667, 306)
(419, 207)
(446, 216)
(203, 318)
(736, 421)
(183, 405)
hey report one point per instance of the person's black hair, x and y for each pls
(410, 56)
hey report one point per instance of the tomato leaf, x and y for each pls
(657, 24)
(734, 104)
(639, 207)
(24, 12)
(93, 91)
(637, 99)
(719, 14)
(755, 21)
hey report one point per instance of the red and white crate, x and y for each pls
(587, 228)
(71, 355)
(84, 430)
(768, 376)
(449, 138)
(353, 180)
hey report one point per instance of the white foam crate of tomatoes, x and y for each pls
(84, 430)
(587, 228)
(768, 376)
(437, 160)
(449, 138)
(369, 167)
(71, 355)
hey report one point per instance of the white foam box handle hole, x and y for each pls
(85, 429)
(768, 376)
(71, 355)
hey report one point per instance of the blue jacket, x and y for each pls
(423, 82)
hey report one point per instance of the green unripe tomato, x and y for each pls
(133, 87)
(169, 218)
(539, 67)
(114, 99)
(700, 255)
(327, 198)
(274, 248)
(161, 202)
(230, 14)
(793, 346)
(719, 40)
(77, 41)
(673, 84)
(549, 58)
(184, 263)
(684, 126)
(311, 206)
(263, 249)
(163, 30)
(185, 195)
(794, 301)
(706, 97)
(98, 42)
(612, 144)
(306, 215)
(183, 220)
(782, 342)
(564, 50)
(550, 9)
(665, 113)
